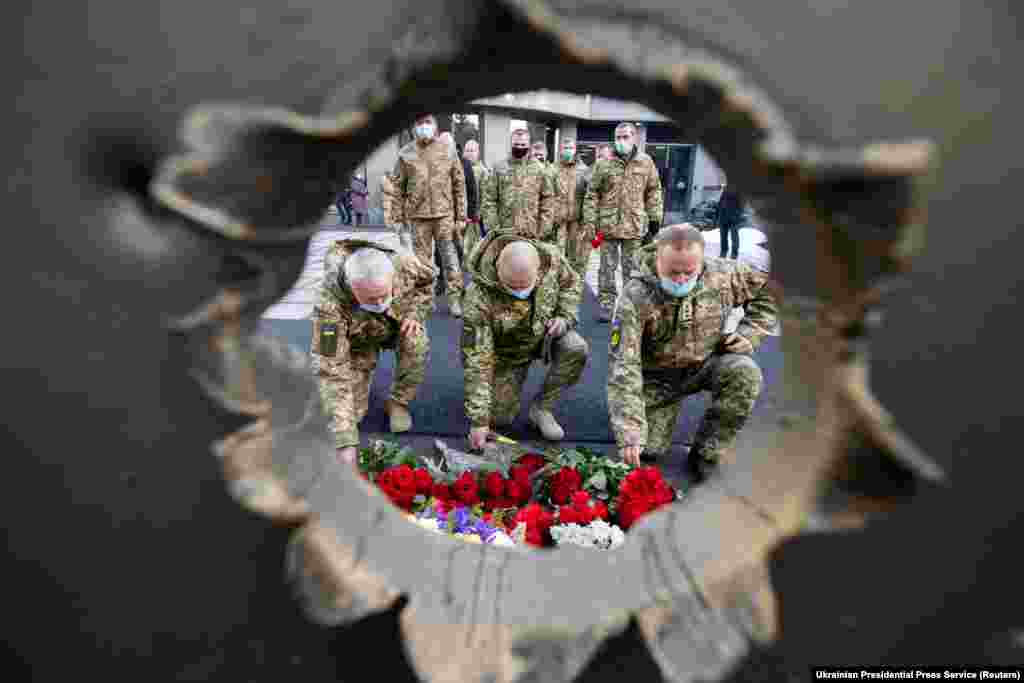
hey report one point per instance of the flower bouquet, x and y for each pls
(573, 496)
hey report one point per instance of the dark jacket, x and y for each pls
(730, 209)
(472, 191)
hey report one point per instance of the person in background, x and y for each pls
(604, 153)
(519, 195)
(475, 229)
(432, 189)
(729, 216)
(539, 151)
(358, 194)
(571, 178)
(472, 208)
(624, 202)
(341, 203)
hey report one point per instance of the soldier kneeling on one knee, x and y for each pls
(521, 306)
(667, 342)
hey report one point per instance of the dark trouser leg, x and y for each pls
(569, 353)
(723, 233)
(735, 230)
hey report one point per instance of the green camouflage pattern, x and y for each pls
(623, 197)
(345, 377)
(570, 188)
(519, 196)
(390, 201)
(500, 332)
(425, 233)
(430, 182)
(611, 251)
(663, 349)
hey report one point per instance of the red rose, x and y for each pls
(404, 478)
(546, 520)
(513, 490)
(570, 477)
(663, 494)
(651, 474)
(532, 461)
(631, 511)
(535, 537)
(494, 484)
(384, 478)
(601, 510)
(441, 491)
(580, 498)
(465, 488)
(404, 500)
(567, 515)
(424, 481)
(520, 475)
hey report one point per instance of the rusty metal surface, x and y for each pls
(191, 232)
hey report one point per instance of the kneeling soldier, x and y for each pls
(521, 306)
(667, 342)
(372, 298)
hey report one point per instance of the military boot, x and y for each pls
(399, 417)
(545, 422)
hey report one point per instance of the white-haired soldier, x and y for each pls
(373, 298)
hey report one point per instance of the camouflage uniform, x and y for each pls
(663, 349)
(623, 197)
(390, 203)
(502, 336)
(570, 188)
(519, 197)
(432, 189)
(473, 231)
(345, 377)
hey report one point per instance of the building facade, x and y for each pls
(688, 173)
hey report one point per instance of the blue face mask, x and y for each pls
(376, 308)
(521, 293)
(678, 289)
(424, 131)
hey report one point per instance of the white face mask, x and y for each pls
(377, 308)
(425, 131)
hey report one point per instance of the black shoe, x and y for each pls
(649, 458)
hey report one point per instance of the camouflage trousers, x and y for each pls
(336, 380)
(578, 247)
(734, 381)
(556, 237)
(470, 240)
(424, 234)
(607, 292)
(568, 358)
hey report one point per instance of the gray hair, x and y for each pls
(626, 124)
(369, 265)
(679, 235)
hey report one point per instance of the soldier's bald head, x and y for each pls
(518, 264)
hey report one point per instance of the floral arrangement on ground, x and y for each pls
(566, 497)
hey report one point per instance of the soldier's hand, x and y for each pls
(631, 454)
(347, 455)
(736, 343)
(410, 326)
(478, 437)
(557, 327)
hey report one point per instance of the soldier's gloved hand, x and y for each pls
(410, 326)
(347, 455)
(557, 327)
(631, 454)
(736, 343)
(478, 437)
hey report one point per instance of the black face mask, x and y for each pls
(520, 152)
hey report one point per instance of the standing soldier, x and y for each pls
(539, 151)
(372, 298)
(521, 306)
(519, 195)
(432, 189)
(474, 226)
(667, 342)
(571, 181)
(623, 202)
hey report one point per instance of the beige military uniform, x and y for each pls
(663, 349)
(502, 335)
(357, 337)
(570, 190)
(432, 191)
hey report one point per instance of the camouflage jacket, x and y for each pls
(623, 197)
(497, 327)
(571, 182)
(519, 196)
(390, 202)
(652, 330)
(430, 183)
